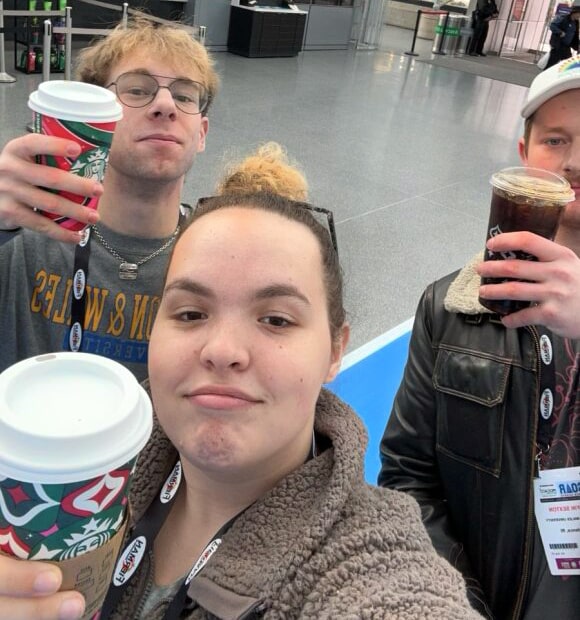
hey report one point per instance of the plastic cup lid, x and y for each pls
(75, 101)
(67, 417)
(534, 184)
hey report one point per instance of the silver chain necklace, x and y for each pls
(127, 270)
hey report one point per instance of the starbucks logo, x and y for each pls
(78, 539)
(91, 164)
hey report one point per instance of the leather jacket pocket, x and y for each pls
(471, 391)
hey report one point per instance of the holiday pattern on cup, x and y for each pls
(94, 139)
(61, 521)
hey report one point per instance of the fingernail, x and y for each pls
(76, 236)
(73, 150)
(47, 582)
(71, 609)
(93, 217)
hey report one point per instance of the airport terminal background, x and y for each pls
(399, 149)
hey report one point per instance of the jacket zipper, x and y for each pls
(530, 515)
(148, 584)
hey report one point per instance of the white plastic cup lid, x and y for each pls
(67, 417)
(75, 101)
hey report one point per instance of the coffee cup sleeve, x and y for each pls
(90, 574)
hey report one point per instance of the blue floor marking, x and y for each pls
(369, 387)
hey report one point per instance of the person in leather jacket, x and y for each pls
(462, 437)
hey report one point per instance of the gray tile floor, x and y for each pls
(399, 149)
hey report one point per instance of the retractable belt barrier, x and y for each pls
(420, 12)
(197, 32)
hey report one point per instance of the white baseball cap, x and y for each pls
(551, 82)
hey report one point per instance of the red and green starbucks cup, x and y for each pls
(86, 114)
(71, 428)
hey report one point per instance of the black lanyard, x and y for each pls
(80, 279)
(141, 542)
(79, 292)
(144, 535)
(546, 395)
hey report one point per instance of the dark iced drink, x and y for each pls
(523, 199)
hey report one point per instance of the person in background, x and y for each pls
(564, 37)
(250, 326)
(485, 11)
(465, 436)
(166, 83)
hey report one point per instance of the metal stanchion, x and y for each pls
(46, 50)
(412, 52)
(16, 13)
(68, 31)
(4, 77)
(67, 43)
(197, 31)
(153, 18)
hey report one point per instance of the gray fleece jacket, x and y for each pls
(321, 544)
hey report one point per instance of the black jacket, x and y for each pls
(564, 31)
(485, 10)
(461, 440)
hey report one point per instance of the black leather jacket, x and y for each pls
(461, 439)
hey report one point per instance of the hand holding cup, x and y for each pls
(71, 427)
(86, 114)
(523, 199)
(31, 590)
(26, 186)
(551, 283)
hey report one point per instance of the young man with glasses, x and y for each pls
(166, 83)
(488, 412)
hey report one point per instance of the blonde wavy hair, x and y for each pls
(267, 169)
(160, 41)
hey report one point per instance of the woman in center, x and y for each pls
(272, 518)
(250, 327)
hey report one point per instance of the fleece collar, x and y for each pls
(462, 295)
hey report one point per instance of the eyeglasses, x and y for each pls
(329, 215)
(136, 90)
